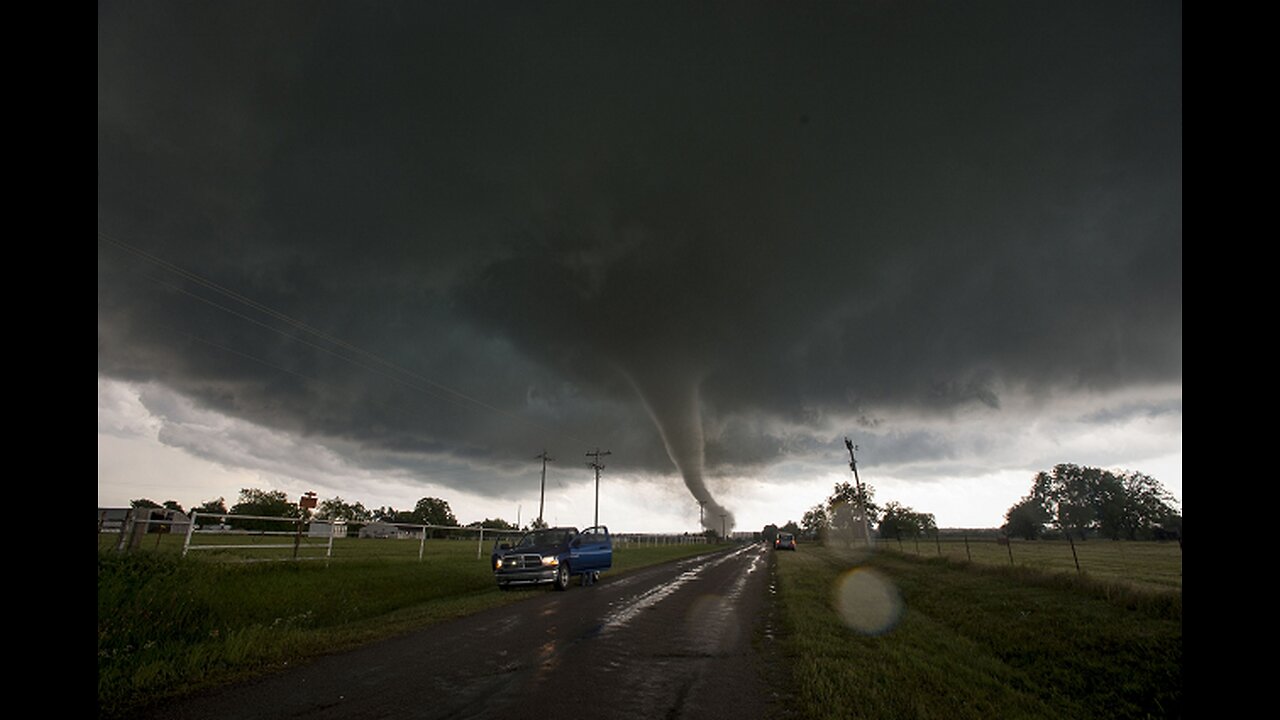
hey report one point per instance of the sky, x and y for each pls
(394, 251)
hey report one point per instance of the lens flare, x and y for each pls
(867, 601)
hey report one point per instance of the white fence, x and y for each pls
(292, 535)
(325, 530)
(258, 538)
(134, 524)
(654, 539)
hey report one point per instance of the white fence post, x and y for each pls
(191, 526)
(126, 531)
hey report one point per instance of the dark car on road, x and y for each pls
(784, 541)
(553, 555)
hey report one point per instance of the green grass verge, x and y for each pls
(975, 642)
(168, 625)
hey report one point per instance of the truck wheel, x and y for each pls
(562, 577)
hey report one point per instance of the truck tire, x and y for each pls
(562, 577)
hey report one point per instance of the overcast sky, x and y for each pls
(395, 250)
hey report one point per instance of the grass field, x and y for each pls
(1152, 565)
(168, 625)
(972, 640)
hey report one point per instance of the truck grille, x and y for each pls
(522, 562)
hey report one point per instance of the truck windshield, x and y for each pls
(544, 537)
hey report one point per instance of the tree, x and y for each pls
(1170, 529)
(769, 533)
(430, 511)
(843, 517)
(898, 521)
(174, 506)
(433, 511)
(494, 524)
(814, 523)
(1026, 519)
(1148, 505)
(1080, 499)
(144, 504)
(269, 503)
(263, 503)
(1070, 500)
(336, 508)
(1068, 497)
(846, 493)
(217, 506)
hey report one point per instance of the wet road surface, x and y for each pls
(673, 641)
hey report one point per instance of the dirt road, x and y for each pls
(667, 642)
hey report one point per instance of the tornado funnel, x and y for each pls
(671, 397)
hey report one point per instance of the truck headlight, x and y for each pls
(551, 561)
(497, 564)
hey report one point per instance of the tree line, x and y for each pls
(1079, 500)
(838, 516)
(1074, 499)
(275, 503)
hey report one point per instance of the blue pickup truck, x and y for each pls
(553, 555)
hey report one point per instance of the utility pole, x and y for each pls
(542, 496)
(862, 495)
(595, 465)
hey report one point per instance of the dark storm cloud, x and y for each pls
(787, 212)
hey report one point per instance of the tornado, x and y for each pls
(671, 397)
